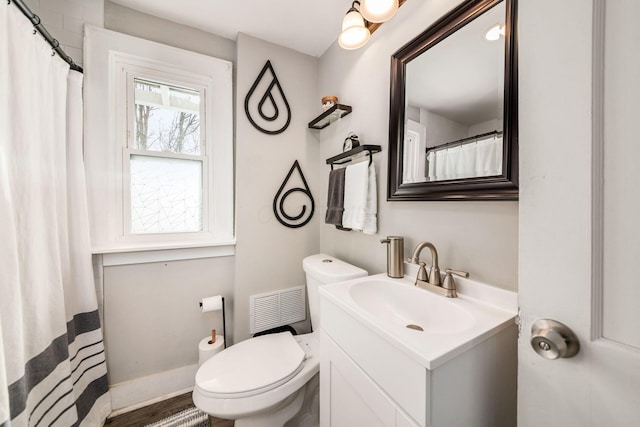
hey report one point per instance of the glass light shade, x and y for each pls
(494, 32)
(378, 10)
(354, 34)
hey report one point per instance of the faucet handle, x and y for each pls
(422, 272)
(464, 274)
(449, 283)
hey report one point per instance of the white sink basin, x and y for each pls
(410, 307)
(431, 328)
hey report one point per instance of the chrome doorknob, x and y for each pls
(553, 340)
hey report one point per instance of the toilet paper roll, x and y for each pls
(206, 350)
(212, 303)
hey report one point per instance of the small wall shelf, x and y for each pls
(347, 155)
(331, 115)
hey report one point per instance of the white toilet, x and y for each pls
(269, 380)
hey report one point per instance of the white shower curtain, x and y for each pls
(52, 362)
(472, 159)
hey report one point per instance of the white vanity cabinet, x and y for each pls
(348, 397)
(369, 378)
(389, 379)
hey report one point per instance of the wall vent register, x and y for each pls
(278, 308)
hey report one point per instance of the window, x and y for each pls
(158, 146)
(167, 158)
(167, 167)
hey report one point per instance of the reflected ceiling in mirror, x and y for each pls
(453, 124)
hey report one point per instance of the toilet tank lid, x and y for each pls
(328, 269)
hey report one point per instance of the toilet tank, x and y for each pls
(321, 269)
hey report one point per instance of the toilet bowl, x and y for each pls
(271, 379)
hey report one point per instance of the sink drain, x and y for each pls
(416, 327)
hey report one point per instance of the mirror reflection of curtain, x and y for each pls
(414, 155)
(489, 160)
(473, 159)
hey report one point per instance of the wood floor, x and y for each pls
(157, 411)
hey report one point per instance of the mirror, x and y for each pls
(453, 113)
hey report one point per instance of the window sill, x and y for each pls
(141, 254)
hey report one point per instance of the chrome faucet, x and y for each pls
(434, 271)
(433, 283)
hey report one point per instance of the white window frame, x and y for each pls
(202, 86)
(116, 59)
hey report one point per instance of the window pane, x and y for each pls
(167, 118)
(166, 195)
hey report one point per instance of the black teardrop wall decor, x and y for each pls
(304, 216)
(269, 122)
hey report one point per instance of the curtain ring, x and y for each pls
(36, 17)
(53, 52)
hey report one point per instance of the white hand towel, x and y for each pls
(371, 207)
(360, 198)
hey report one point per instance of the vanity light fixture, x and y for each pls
(378, 10)
(494, 33)
(354, 32)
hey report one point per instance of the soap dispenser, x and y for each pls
(395, 256)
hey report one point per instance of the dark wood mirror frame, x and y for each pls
(502, 187)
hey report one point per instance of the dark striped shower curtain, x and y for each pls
(52, 361)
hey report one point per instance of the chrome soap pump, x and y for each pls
(395, 256)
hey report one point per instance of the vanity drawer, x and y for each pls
(402, 378)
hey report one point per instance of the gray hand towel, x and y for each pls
(335, 199)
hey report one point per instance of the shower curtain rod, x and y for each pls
(55, 44)
(463, 140)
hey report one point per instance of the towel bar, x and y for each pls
(347, 155)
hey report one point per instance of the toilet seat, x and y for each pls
(234, 408)
(237, 372)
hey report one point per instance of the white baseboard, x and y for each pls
(144, 391)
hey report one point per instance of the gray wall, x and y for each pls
(65, 20)
(128, 21)
(147, 305)
(151, 318)
(479, 237)
(268, 254)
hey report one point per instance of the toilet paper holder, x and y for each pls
(224, 324)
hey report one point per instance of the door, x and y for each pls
(580, 209)
(415, 154)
